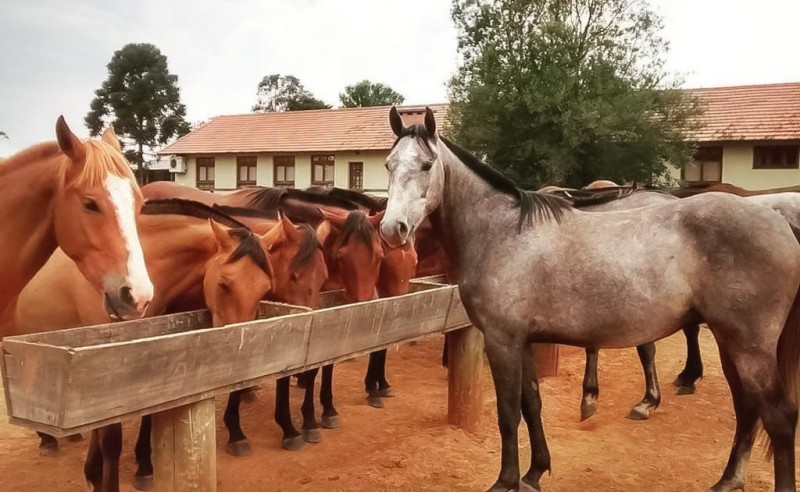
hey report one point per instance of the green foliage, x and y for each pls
(366, 93)
(141, 98)
(277, 92)
(566, 92)
(3, 134)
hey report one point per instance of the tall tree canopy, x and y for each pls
(365, 93)
(278, 92)
(568, 92)
(142, 100)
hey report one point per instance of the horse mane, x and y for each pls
(190, 208)
(584, 198)
(309, 245)
(265, 198)
(534, 206)
(356, 225)
(246, 212)
(250, 246)
(374, 204)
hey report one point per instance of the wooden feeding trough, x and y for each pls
(80, 379)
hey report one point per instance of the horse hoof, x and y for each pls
(75, 438)
(238, 448)
(588, 408)
(386, 393)
(295, 443)
(144, 482)
(639, 414)
(330, 422)
(50, 450)
(683, 389)
(375, 402)
(312, 435)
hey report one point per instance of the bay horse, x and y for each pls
(532, 269)
(698, 188)
(80, 196)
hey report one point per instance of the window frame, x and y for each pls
(702, 156)
(761, 153)
(285, 161)
(250, 162)
(325, 162)
(360, 175)
(206, 163)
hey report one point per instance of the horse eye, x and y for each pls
(91, 205)
(427, 166)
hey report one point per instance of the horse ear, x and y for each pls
(430, 121)
(69, 143)
(334, 218)
(289, 229)
(396, 122)
(272, 237)
(224, 240)
(323, 231)
(375, 220)
(110, 137)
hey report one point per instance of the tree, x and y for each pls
(277, 92)
(568, 92)
(3, 134)
(142, 100)
(366, 93)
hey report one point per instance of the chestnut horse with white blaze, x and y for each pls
(533, 269)
(80, 196)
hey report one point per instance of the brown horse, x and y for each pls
(79, 196)
(698, 188)
(181, 251)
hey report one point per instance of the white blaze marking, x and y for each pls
(121, 193)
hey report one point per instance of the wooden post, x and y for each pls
(185, 449)
(465, 361)
(546, 356)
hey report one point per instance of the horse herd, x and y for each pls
(617, 266)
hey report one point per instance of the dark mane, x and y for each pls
(373, 203)
(249, 245)
(533, 206)
(584, 198)
(271, 199)
(179, 206)
(419, 132)
(309, 245)
(356, 225)
(246, 212)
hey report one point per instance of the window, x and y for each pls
(205, 173)
(356, 175)
(246, 171)
(706, 167)
(322, 170)
(775, 156)
(284, 170)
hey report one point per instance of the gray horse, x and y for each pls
(624, 198)
(530, 268)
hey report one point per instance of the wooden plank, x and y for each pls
(465, 381)
(34, 378)
(185, 449)
(344, 330)
(122, 378)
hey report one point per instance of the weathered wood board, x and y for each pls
(75, 380)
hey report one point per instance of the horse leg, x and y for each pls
(237, 441)
(744, 405)
(652, 393)
(506, 365)
(48, 445)
(291, 441)
(110, 439)
(143, 478)
(591, 389)
(532, 413)
(371, 382)
(330, 417)
(93, 466)
(384, 388)
(693, 369)
(444, 353)
(310, 431)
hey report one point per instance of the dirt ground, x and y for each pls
(408, 445)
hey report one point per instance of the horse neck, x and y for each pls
(177, 249)
(469, 205)
(27, 234)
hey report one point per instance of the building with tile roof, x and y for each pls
(749, 136)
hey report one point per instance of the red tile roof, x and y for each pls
(750, 112)
(300, 131)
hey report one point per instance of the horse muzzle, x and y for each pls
(395, 232)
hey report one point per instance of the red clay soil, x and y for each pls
(408, 445)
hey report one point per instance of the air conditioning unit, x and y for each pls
(177, 164)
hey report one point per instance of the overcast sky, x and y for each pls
(54, 52)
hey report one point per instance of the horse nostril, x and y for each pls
(126, 296)
(402, 227)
